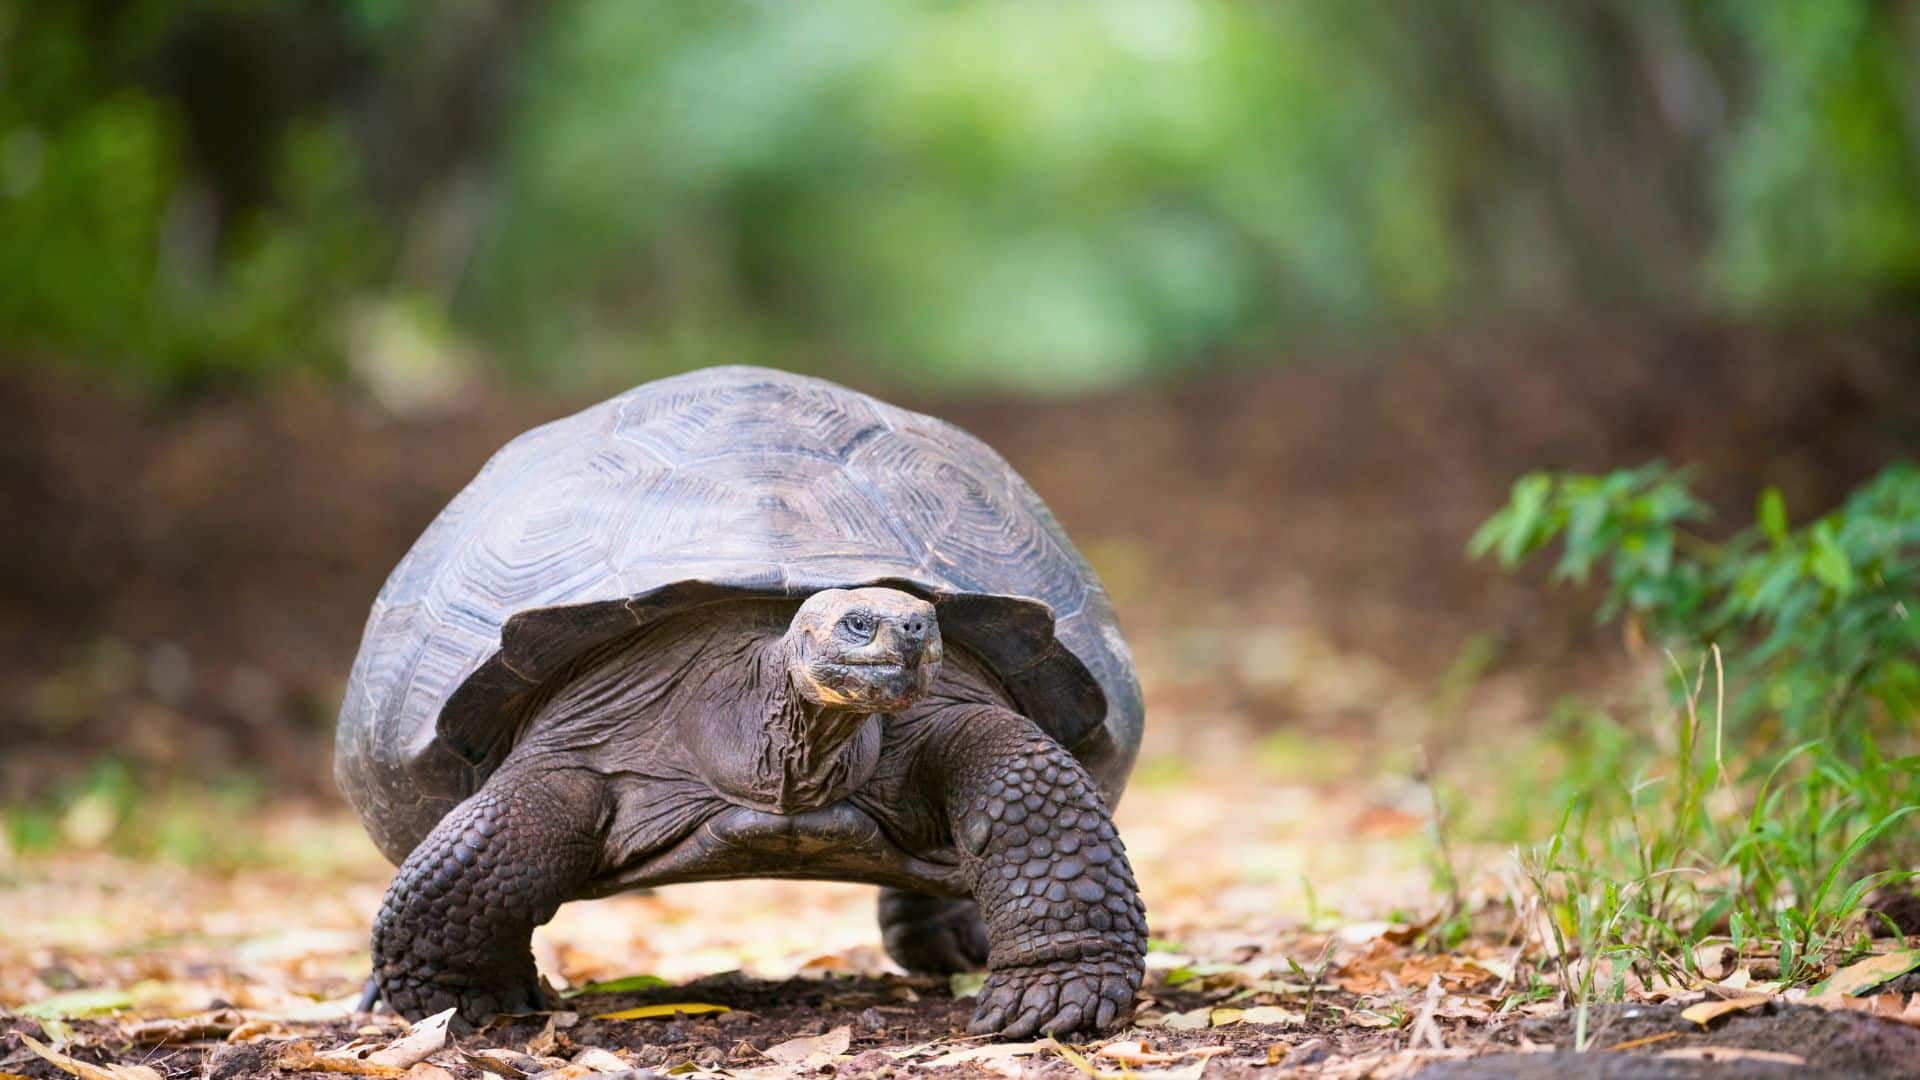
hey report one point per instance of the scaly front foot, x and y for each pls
(454, 930)
(1056, 998)
(1067, 932)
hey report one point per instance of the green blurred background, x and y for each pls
(1270, 301)
(1036, 196)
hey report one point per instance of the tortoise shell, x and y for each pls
(722, 483)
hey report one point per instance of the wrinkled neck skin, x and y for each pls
(708, 698)
(774, 750)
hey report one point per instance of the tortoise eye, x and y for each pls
(857, 627)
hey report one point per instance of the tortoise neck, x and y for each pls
(810, 755)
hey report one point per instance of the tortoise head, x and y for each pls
(869, 650)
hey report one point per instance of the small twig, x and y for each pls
(1424, 1028)
(1454, 903)
(1719, 714)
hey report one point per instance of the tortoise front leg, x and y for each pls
(1067, 935)
(456, 928)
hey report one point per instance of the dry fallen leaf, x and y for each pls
(502, 1062)
(1074, 1058)
(567, 1071)
(420, 1042)
(1706, 1012)
(59, 1031)
(427, 1070)
(213, 1025)
(1130, 1052)
(599, 1060)
(1856, 980)
(664, 1012)
(86, 1070)
(1133, 1052)
(544, 1042)
(1367, 1018)
(1737, 981)
(1501, 970)
(1191, 1020)
(301, 1057)
(1715, 961)
(1272, 1014)
(1886, 1006)
(814, 1051)
(625, 985)
(1259, 1014)
(982, 1055)
(255, 1030)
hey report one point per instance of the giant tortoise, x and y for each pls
(740, 623)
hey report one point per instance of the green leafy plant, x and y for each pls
(1820, 623)
(1774, 805)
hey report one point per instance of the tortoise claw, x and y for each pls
(1055, 999)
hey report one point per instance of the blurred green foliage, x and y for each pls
(1034, 195)
(1817, 622)
(219, 821)
(107, 249)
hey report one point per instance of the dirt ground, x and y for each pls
(1284, 546)
(1276, 953)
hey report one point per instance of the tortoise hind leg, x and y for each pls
(935, 934)
(455, 930)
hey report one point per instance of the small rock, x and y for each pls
(1310, 1052)
(869, 1063)
(871, 1020)
(233, 1060)
(1715, 961)
(1900, 907)
(601, 1061)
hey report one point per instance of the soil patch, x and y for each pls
(904, 1026)
(1634, 1041)
(898, 1026)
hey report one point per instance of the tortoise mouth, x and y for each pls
(876, 683)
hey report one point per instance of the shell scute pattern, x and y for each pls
(753, 414)
(960, 505)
